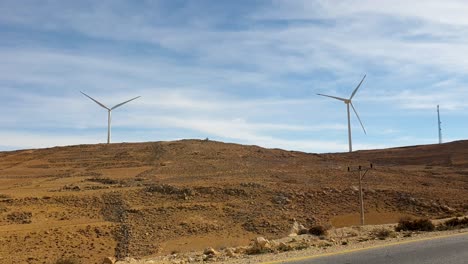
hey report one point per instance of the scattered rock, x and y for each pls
(260, 245)
(294, 229)
(71, 187)
(109, 260)
(302, 230)
(230, 252)
(210, 251)
(241, 250)
(251, 185)
(284, 247)
(281, 199)
(130, 260)
(447, 208)
(235, 192)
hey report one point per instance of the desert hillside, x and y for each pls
(142, 199)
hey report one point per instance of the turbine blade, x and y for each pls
(124, 103)
(334, 97)
(354, 109)
(359, 85)
(96, 101)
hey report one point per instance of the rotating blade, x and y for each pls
(124, 102)
(96, 101)
(354, 109)
(359, 85)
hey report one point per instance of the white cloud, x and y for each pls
(449, 98)
(255, 83)
(449, 12)
(24, 140)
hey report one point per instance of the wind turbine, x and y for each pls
(109, 110)
(348, 102)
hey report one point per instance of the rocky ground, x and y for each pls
(302, 242)
(152, 199)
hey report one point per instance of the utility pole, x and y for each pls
(361, 169)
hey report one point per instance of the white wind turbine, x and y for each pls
(349, 102)
(109, 110)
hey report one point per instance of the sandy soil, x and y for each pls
(148, 199)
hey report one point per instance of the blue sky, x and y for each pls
(235, 71)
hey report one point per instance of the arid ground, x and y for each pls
(145, 199)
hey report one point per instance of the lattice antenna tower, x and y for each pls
(439, 124)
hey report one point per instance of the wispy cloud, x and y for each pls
(241, 72)
(44, 140)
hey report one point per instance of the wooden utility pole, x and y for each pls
(361, 169)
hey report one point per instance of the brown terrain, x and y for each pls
(147, 199)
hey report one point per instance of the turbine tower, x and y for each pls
(439, 123)
(349, 102)
(109, 111)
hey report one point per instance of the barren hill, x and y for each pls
(141, 199)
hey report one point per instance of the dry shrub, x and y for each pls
(454, 223)
(318, 230)
(102, 180)
(382, 233)
(408, 224)
(301, 246)
(20, 217)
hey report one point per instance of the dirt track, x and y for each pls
(92, 201)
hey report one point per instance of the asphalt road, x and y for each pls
(446, 250)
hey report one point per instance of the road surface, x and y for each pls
(447, 250)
